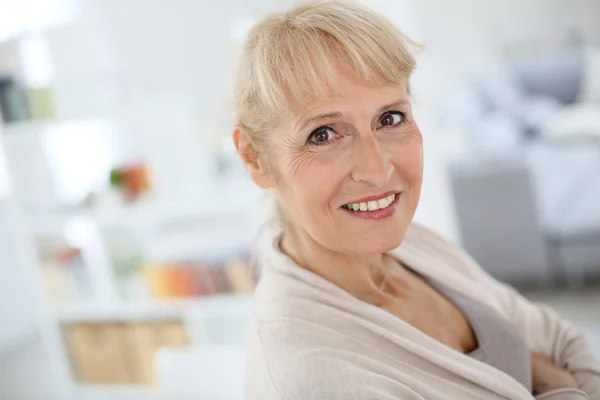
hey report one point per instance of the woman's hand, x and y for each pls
(546, 376)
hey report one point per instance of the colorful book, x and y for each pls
(218, 277)
(156, 277)
(182, 277)
(198, 283)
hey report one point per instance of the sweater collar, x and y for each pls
(429, 256)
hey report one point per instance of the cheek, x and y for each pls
(408, 159)
(305, 182)
(316, 183)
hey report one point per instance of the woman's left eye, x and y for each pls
(391, 119)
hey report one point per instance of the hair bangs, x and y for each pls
(299, 56)
(310, 65)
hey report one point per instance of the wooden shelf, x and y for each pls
(232, 203)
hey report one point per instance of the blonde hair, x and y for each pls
(297, 55)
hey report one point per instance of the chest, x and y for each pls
(420, 305)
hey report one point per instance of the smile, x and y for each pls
(372, 205)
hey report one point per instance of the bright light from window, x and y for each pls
(18, 16)
(47, 13)
(36, 61)
(80, 156)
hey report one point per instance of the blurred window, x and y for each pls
(18, 16)
(80, 157)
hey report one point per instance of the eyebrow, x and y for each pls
(337, 114)
(393, 105)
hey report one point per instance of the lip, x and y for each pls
(374, 197)
(376, 214)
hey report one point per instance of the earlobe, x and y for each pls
(248, 152)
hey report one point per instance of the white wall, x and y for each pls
(17, 309)
(18, 313)
(5, 181)
(469, 35)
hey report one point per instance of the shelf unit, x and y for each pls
(231, 209)
(127, 311)
(233, 206)
(110, 308)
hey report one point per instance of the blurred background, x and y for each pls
(127, 223)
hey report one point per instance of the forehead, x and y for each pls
(350, 91)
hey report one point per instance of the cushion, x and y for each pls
(493, 133)
(574, 123)
(535, 112)
(557, 75)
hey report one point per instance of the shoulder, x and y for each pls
(435, 257)
(424, 243)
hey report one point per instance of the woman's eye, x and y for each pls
(321, 136)
(390, 119)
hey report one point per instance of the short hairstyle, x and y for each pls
(297, 56)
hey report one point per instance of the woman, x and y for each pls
(355, 302)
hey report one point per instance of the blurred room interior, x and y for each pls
(127, 222)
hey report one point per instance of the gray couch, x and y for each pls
(528, 208)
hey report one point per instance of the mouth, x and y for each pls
(376, 207)
(371, 205)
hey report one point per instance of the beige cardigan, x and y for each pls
(311, 339)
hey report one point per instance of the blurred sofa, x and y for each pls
(527, 184)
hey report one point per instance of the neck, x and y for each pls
(359, 274)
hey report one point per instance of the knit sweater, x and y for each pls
(310, 339)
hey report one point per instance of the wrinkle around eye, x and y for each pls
(297, 154)
(300, 160)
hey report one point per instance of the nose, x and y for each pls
(372, 165)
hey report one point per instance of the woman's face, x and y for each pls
(348, 168)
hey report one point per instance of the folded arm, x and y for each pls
(550, 335)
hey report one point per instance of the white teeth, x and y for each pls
(372, 205)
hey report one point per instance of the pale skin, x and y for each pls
(360, 141)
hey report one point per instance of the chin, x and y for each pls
(380, 242)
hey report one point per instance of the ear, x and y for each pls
(256, 167)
